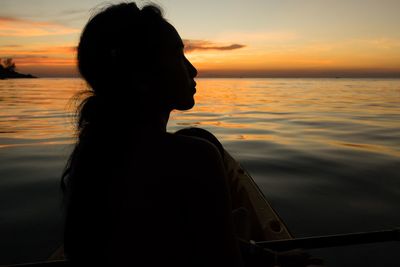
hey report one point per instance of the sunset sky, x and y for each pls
(256, 38)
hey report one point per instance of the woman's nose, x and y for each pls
(191, 68)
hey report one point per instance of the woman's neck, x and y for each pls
(153, 122)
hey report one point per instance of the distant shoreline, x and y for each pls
(4, 75)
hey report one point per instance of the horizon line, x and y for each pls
(264, 76)
(271, 73)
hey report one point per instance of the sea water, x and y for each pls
(325, 152)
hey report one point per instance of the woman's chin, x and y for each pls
(185, 105)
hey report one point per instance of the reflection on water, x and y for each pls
(33, 111)
(326, 152)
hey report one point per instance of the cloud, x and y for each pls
(32, 60)
(15, 50)
(258, 36)
(73, 12)
(10, 46)
(12, 27)
(192, 45)
(38, 54)
(381, 43)
(25, 57)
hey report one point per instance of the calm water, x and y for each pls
(326, 153)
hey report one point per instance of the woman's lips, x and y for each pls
(194, 87)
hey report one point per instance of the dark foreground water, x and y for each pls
(326, 153)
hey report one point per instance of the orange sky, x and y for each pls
(259, 38)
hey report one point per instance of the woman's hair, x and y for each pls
(117, 42)
(118, 49)
(117, 53)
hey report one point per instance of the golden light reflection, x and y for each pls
(284, 112)
(38, 111)
(299, 113)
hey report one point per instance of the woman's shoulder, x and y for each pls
(195, 146)
(203, 134)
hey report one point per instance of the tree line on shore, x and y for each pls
(8, 70)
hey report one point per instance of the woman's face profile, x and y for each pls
(177, 74)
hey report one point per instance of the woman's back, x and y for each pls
(168, 204)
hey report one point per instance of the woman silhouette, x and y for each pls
(136, 194)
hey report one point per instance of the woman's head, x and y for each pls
(135, 55)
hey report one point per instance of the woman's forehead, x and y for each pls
(171, 37)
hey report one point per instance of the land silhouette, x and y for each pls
(8, 70)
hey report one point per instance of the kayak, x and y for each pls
(262, 222)
(257, 220)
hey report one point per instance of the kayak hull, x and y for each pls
(262, 221)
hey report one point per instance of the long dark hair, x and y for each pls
(117, 53)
